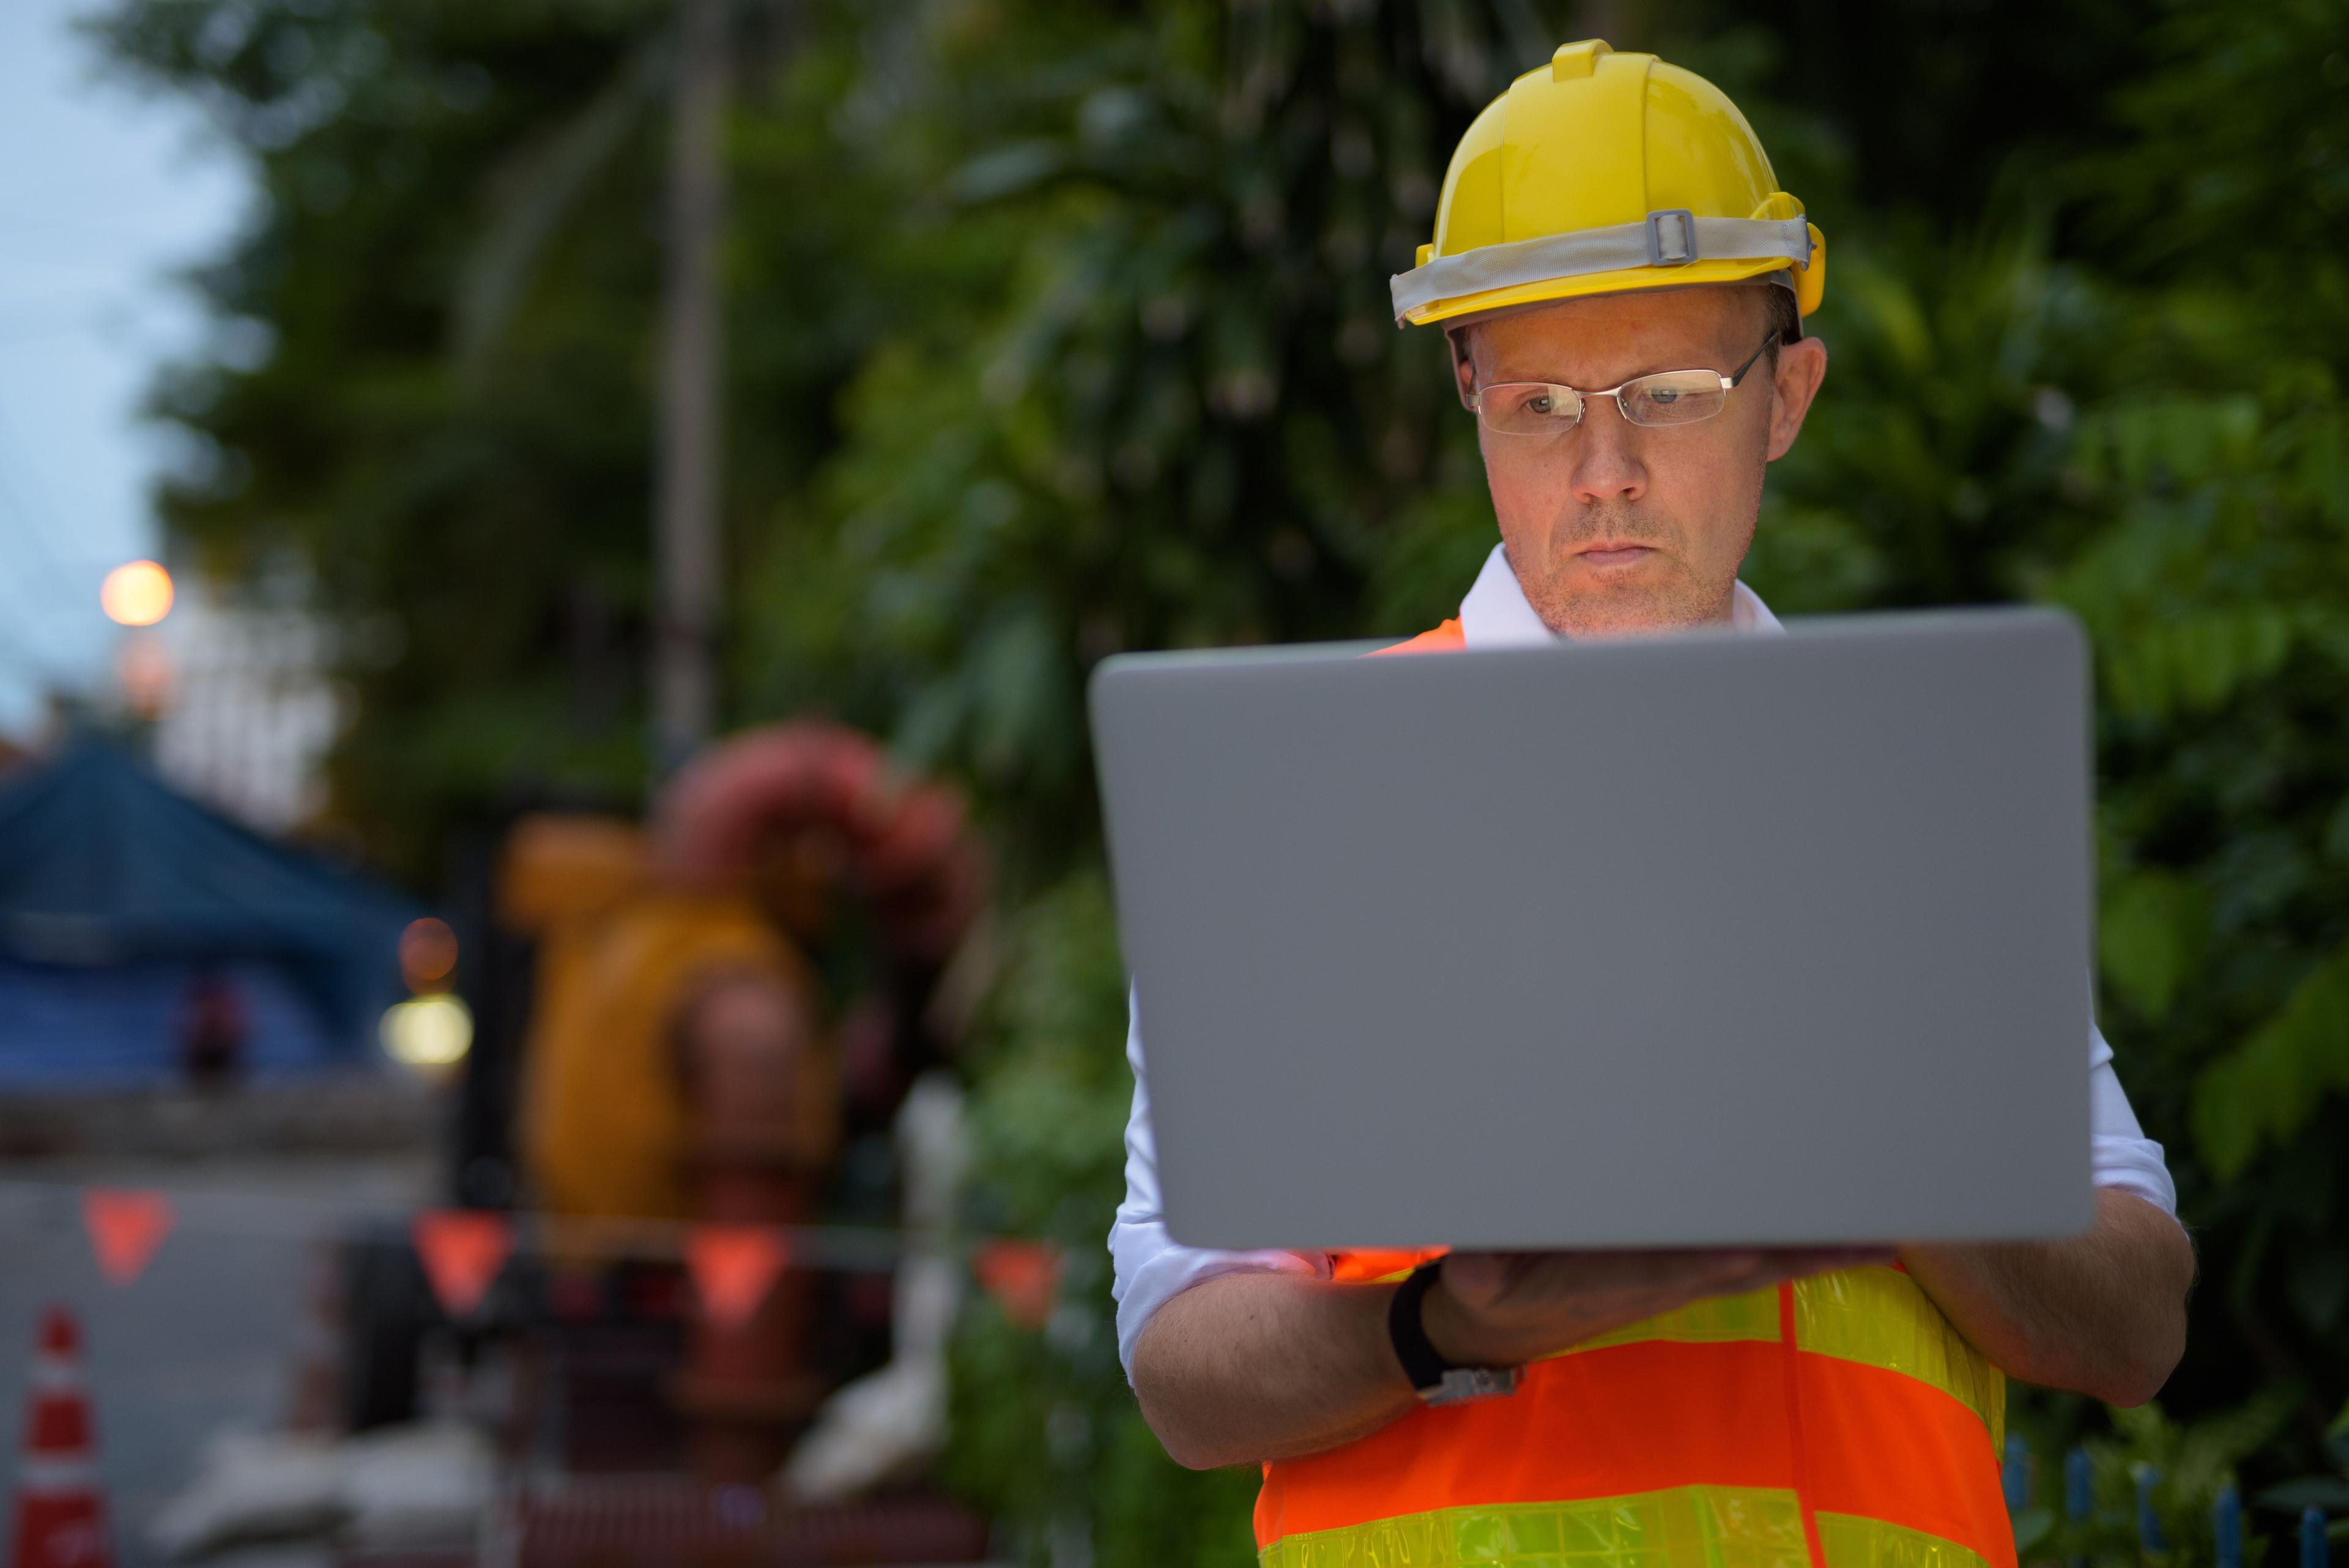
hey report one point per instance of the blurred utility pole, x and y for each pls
(688, 541)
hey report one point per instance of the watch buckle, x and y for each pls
(1465, 1385)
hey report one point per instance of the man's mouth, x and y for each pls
(1616, 554)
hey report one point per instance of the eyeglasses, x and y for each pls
(1665, 398)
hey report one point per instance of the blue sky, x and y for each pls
(104, 192)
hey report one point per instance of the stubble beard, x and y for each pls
(1665, 595)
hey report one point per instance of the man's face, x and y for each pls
(1613, 527)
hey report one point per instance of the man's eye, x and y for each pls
(1539, 404)
(1666, 396)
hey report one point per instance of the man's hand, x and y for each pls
(1268, 1366)
(2101, 1314)
(1504, 1309)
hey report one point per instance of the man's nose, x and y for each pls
(1606, 459)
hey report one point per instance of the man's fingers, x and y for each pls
(1539, 1301)
(1801, 1261)
(1527, 1278)
(1485, 1281)
(1783, 1263)
(1482, 1278)
(1696, 1270)
(1727, 1266)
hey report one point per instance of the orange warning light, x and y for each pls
(428, 954)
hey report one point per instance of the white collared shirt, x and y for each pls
(1152, 1268)
(1496, 613)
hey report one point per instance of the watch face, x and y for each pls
(1462, 1384)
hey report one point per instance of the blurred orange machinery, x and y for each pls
(683, 1062)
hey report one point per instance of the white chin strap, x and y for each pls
(1671, 238)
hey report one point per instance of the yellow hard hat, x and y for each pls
(1602, 172)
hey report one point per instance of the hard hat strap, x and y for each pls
(1664, 240)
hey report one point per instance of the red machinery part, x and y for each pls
(906, 844)
(825, 796)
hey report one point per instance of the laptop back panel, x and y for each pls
(1681, 941)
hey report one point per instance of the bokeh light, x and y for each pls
(135, 593)
(428, 954)
(429, 1032)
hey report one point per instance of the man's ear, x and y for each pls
(1464, 360)
(1802, 366)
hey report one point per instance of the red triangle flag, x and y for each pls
(733, 1268)
(125, 1225)
(463, 1250)
(1023, 1276)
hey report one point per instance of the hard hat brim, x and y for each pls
(1627, 280)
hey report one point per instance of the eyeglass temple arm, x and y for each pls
(1740, 375)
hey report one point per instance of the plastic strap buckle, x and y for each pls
(1672, 237)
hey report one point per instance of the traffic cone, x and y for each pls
(60, 1517)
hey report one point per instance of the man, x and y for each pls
(1611, 224)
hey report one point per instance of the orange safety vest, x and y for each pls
(1837, 1422)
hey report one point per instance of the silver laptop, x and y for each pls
(1680, 941)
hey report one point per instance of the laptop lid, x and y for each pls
(1689, 940)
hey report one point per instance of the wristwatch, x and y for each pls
(1435, 1380)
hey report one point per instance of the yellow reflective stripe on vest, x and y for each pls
(1685, 1527)
(1879, 1317)
(1876, 1317)
(1682, 1527)
(1849, 1541)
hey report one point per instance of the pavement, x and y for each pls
(210, 1336)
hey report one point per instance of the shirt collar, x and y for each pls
(1496, 614)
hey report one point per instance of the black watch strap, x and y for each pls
(1435, 1380)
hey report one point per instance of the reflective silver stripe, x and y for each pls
(37, 1474)
(1614, 249)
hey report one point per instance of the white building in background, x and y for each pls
(244, 711)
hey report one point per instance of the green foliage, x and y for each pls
(1190, 420)
(2237, 162)
(2217, 589)
(2187, 1466)
(2268, 1088)
(1932, 469)
(2220, 602)
(1046, 1433)
(1051, 1106)
(2155, 928)
(2328, 1491)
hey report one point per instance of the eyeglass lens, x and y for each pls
(1667, 398)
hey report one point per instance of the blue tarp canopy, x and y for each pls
(114, 885)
